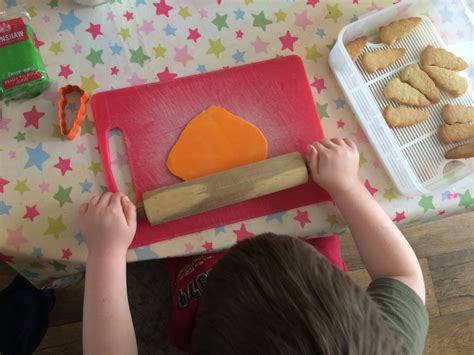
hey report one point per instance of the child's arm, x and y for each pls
(108, 225)
(384, 250)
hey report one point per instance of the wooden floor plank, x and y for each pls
(62, 336)
(451, 334)
(453, 279)
(450, 234)
(362, 278)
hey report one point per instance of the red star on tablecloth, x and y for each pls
(318, 84)
(312, 2)
(94, 30)
(65, 71)
(287, 41)
(207, 245)
(166, 75)
(302, 218)
(3, 182)
(340, 123)
(31, 213)
(399, 216)
(66, 254)
(162, 8)
(370, 188)
(6, 258)
(194, 34)
(63, 165)
(239, 34)
(114, 70)
(242, 233)
(128, 15)
(32, 117)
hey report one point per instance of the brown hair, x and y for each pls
(277, 295)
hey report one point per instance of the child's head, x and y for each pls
(277, 295)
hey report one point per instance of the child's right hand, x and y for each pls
(334, 164)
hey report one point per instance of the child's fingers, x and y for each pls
(337, 140)
(83, 208)
(93, 201)
(350, 143)
(116, 199)
(312, 158)
(326, 143)
(129, 210)
(105, 199)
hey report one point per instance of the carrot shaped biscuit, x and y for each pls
(447, 80)
(381, 59)
(404, 94)
(413, 75)
(464, 151)
(457, 132)
(355, 47)
(403, 116)
(398, 30)
(457, 114)
(440, 57)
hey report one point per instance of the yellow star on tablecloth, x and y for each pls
(89, 84)
(32, 11)
(130, 189)
(215, 47)
(333, 12)
(95, 168)
(331, 219)
(124, 33)
(56, 48)
(312, 53)
(21, 186)
(248, 2)
(160, 51)
(184, 12)
(362, 159)
(280, 16)
(389, 194)
(55, 227)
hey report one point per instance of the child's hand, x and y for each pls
(108, 223)
(334, 164)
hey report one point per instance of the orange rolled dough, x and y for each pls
(213, 141)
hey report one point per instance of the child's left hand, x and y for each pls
(108, 223)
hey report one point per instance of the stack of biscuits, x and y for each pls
(419, 85)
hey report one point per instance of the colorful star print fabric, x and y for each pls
(44, 179)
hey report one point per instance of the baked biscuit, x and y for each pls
(398, 30)
(404, 94)
(381, 59)
(403, 116)
(440, 57)
(355, 47)
(464, 151)
(447, 80)
(413, 75)
(457, 132)
(457, 114)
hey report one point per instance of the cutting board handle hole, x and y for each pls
(120, 166)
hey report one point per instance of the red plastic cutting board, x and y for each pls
(274, 95)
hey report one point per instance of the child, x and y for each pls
(270, 294)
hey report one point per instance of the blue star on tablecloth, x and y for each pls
(29, 274)
(85, 186)
(201, 68)
(145, 253)
(239, 14)
(169, 30)
(278, 216)
(219, 230)
(445, 195)
(79, 238)
(36, 157)
(238, 56)
(340, 102)
(38, 252)
(69, 22)
(10, 3)
(320, 32)
(4, 208)
(140, 2)
(116, 49)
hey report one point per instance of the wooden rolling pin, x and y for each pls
(222, 189)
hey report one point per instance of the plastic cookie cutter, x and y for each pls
(65, 90)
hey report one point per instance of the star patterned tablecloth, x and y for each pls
(44, 179)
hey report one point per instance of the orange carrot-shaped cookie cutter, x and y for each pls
(65, 90)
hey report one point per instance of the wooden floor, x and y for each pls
(446, 253)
